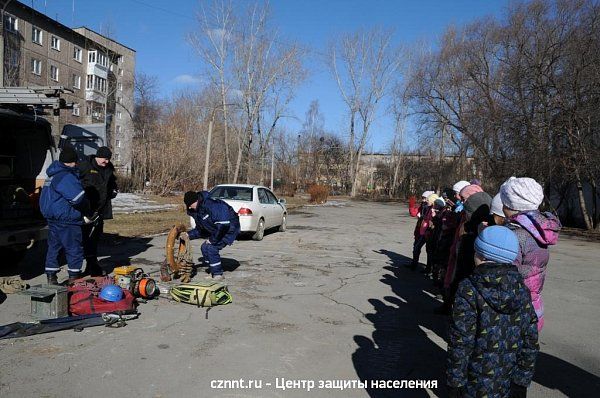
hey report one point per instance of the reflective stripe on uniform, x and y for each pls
(79, 195)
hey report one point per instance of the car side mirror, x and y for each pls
(281, 201)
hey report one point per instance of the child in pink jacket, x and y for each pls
(535, 230)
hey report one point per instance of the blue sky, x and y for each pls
(156, 29)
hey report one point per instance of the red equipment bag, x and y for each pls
(84, 300)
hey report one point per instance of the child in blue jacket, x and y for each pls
(493, 339)
(61, 202)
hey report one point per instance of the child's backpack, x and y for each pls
(202, 294)
(84, 300)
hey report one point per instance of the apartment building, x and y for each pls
(39, 51)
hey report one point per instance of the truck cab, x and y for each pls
(27, 148)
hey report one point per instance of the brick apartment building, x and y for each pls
(39, 51)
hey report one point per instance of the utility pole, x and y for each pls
(207, 157)
(272, 161)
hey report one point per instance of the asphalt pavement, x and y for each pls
(323, 307)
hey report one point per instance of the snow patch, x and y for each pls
(129, 203)
(330, 203)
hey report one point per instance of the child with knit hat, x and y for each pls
(493, 338)
(421, 227)
(536, 231)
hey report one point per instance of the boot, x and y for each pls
(52, 279)
(92, 268)
(73, 278)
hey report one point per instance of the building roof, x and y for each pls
(74, 31)
(101, 35)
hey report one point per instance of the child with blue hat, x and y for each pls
(493, 339)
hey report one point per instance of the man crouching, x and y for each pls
(216, 220)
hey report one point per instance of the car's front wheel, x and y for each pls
(260, 230)
(283, 225)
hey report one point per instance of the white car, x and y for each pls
(258, 207)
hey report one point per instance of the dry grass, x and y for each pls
(144, 224)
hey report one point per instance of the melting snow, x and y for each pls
(127, 203)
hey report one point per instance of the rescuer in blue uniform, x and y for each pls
(216, 221)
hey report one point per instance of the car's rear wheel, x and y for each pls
(260, 230)
(283, 225)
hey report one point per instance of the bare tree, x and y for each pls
(364, 65)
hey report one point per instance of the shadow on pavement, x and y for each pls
(120, 250)
(401, 348)
(409, 339)
(557, 374)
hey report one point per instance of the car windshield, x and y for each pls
(232, 193)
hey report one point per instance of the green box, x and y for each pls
(48, 301)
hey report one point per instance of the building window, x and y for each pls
(11, 23)
(55, 43)
(75, 111)
(36, 66)
(118, 129)
(118, 143)
(53, 73)
(76, 81)
(120, 72)
(102, 60)
(119, 115)
(88, 110)
(90, 82)
(92, 56)
(120, 86)
(77, 54)
(117, 156)
(119, 99)
(120, 59)
(36, 35)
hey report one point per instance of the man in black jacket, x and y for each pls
(99, 182)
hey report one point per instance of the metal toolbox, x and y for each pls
(48, 301)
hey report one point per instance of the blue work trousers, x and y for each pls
(65, 237)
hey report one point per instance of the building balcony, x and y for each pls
(94, 68)
(95, 95)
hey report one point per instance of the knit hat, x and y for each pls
(521, 194)
(67, 155)
(460, 185)
(439, 202)
(497, 243)
(104, 152)
(426, 194)
(497, 206)
(189, 198)
(431, 199)
(469, 190)
(478, 202)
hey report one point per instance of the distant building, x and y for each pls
(39, 51)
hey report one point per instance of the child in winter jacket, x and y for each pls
(61, 202)
(493, 339)
(535, 230)
(419, 232)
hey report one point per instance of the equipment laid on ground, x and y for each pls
(202, 294)
(178, 262)
(48, 301)
(136, 281)
(84, 297)
(76, 323)
(112, 293)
